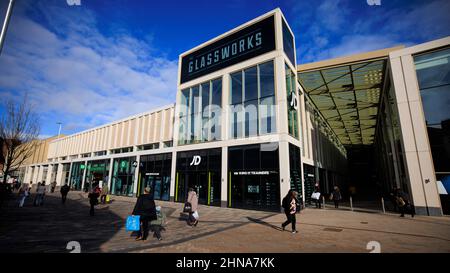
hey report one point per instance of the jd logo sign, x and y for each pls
(196, 160)
(294, 101)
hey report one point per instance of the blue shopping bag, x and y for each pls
(133, 223)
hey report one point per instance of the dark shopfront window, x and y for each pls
(295, 168)
(253, 177)
(122, 182)
(77, 175)
(154, 172)
(310, 181)
(200, 170)
(97, 171)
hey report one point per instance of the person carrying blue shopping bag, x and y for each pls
(133, 223)
(146, 209)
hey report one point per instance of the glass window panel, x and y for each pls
(433, 68)
(288, 43)
(267, 81)
(236, 119)
(236, 87)
(217, 92)
(267, 115)
(251, 118)
(251, 84)
(195, 102)
(184, 102)
(205, 98)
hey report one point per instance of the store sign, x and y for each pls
(152, 174)
(245, 44)
(294, 101)
(196, 160)
(82, 167)
(251, 173)
(253, 189)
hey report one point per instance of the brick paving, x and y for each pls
(49, 228)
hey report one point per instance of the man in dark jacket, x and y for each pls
(64, 191)
(146, 209)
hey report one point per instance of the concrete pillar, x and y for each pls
(285, 175)
(48, 178)
(40, 174)
(136, 175)
(83, 178)
(224, 180)
(419, 162)
(59, 174)
(110, 172)
(173, 176)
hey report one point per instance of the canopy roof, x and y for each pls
(348, 97)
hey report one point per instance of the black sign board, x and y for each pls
(247, 43)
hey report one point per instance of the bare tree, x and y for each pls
(19, 130)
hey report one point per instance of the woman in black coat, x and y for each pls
(146, 209)
(290, 204)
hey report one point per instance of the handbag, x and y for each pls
(195, 214)
(187, 207)
(133, 223)
(315, 195)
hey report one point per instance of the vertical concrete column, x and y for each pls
(110, 172)
(285, 175)
(59, 174)
(419, 162)
(35, 174)
(49, 174)
(225, 187)
(70, 173)
(41, 173)
(83, 178)
(136, 175)
(281, 96)
(173, 177)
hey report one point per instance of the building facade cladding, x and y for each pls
(237, 122)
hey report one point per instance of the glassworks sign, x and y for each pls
(247, 43)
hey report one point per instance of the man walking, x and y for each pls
(64, 191)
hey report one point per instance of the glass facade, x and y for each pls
(252, 101)
(292, 102)
(76, 176)
(122, 182)
(200, 170)
(310, 181)
(154, 172)
(97, 171)
(254, 179)
(433, 74)
(288, 43)
(200, 112)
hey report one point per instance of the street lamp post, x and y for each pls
(5, 24)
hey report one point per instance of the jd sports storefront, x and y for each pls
(200, 170)
(253, 177)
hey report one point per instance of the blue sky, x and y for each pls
(108, 59)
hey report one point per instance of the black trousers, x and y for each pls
(91, 212)
(290, 220)
(336, 204)
(408, 208)
(63, 198)
(143, 231)
(156, 231)
(318, 204)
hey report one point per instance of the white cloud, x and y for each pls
(79, 75)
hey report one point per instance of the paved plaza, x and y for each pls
(49, 228)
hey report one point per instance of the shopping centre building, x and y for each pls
(249, 124)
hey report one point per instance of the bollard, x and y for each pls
(382, 204)
(351, 203)
(323, 201)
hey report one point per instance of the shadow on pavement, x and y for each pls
(50, 227)
(259, 221)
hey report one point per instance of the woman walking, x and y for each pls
(290, 204)
(146, 209)
(24, 192)
(193, 200)
(336, 196)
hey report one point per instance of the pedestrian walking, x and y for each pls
(24, 192)
(104, 193)
(93, 200)
(316, 196)
(336, 196)
(145, 207)
(158, 225)
(64, 191)
(193, 214)
(290, 204)
(403, 203)
(40, 193)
